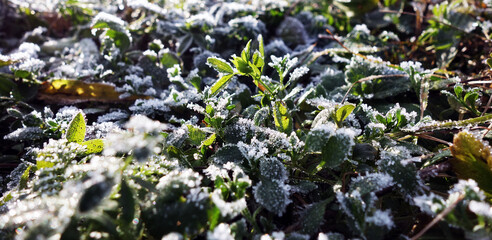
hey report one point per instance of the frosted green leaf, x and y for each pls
(76, 129)
(261, 115)
(44, 164)
(336, 150)
(220, 65)
(222, 83)
(24, 178)
(272, 195)
(93, 146)
(312, 216)
(196, 135)
(228, 153)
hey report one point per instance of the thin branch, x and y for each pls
(433, 139)
(439, 217)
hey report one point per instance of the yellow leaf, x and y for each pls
(472, 159)
(67, 91)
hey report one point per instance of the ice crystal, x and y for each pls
(430, 204)
(372, 182)
(382, 219)
(213, 172)
(26, 133)
(272, 168)
(298, 73)
(179, 178)
(468, 187)
(106, 17)
(115, 115)
(150, 107)
(221, 232)
(481, 209)
(147, 5)
(361, 28)
(31, 65)
(254, 151)
(230, 209)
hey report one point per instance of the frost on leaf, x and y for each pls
(398, 163)
(380, 88)
(179, 199)
(312, 216)
(334, 144)
(273, 195)
(273, 169)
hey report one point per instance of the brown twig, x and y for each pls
(433, 139)
(439, 217)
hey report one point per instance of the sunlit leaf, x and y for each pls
(76, 129)
(283, 120)
(222, 83)
(472, 159)
(343, 112)
(67, 91)
(220, 65)
(93, 146)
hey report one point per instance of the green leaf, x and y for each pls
(8, 62)
(458, 90)
(213, 217)
(242, 66)
(196, 135)
(283, 120)
(127, 202)
(471, 98)
(272, 195)
(184, 43)
(210, 140)
(222, 83)
(8, 87)
(22, 74)
(5, 198)
(489, 62)
(258, 60)
(318, 137)
(245, 54)
(343, 112)
(24, 178)
(121, 40)
(261, 115)
(261, 47)
(228, 153)
(336, 150)
(94, 195)
(76, 129)
(44, 164)
(220, 65)
(169, 59)
(93, 146)
(472, 159)
(312, 216)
